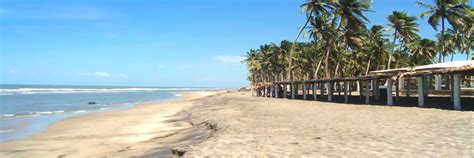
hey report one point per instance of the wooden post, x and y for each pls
(322, 89)
(421, 90)
(304, 91)
(401, 83)
(293, 89)
(271, 91)
(361, 88)
(426, 85)
(276, 90)
(330, 90)
(397, 89)
(285, 92)
(339, 87)
(367, 92)
(438, 80)
(264, 91)
(376, 89)
(315, 87)
(346, 88)
(389, 91)
(451, 83)
(408, 87)
(350, 88)
(457, 91)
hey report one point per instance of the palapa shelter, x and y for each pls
(363, 84)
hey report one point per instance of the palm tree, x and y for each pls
(377, 46)
(422, 51)
(450, 10)
(331, 21)
(405, 30)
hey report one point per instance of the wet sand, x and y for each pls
(138, 131)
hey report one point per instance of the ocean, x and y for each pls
(27, 109)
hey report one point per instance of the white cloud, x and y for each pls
(123, 75)
(228, 58)
(60, 12)
(98, 74)
(12, 71)
(3, 11)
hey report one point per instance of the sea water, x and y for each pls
(27, 109)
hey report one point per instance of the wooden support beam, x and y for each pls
(438, 80)
(264, 91)
(339, 87)
(322, 89)
(457, 91)
(421, 90)
(270, 88)
(376, 89)
(285, 91)
(276, 90)
(293, 90)
(397, 89)
(408, 87)
(350, 88)
(315, 87)
(346, 89)
(361, 88)
(304, 91)
(389, 91)
(426, 86)
(401, 83)
(367, 92)
(330, 90)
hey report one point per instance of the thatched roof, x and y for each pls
(446, 65)
(466, 67)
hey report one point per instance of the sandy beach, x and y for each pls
(236, 124)
(121, 133)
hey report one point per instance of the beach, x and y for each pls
(237, 124)
(118, 133)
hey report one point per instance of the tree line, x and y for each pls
(342, 44)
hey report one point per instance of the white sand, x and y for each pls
(255, 126)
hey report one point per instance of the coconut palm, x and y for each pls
(333, 20)
(422, 51)
(405, 30)
(377, 46)
(451, 10)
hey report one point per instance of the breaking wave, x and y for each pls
(14, 91)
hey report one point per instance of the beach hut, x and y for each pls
(365, 83)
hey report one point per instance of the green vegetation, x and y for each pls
(343, 45)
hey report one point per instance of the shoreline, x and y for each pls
(43, 121)
(90, 134)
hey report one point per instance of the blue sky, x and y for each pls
(149, 43)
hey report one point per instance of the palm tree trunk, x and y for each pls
(290, 77)
(368, 66)
(394, 49)
(438, 78)
(326, 62)
(317, 69)
(441, 53)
